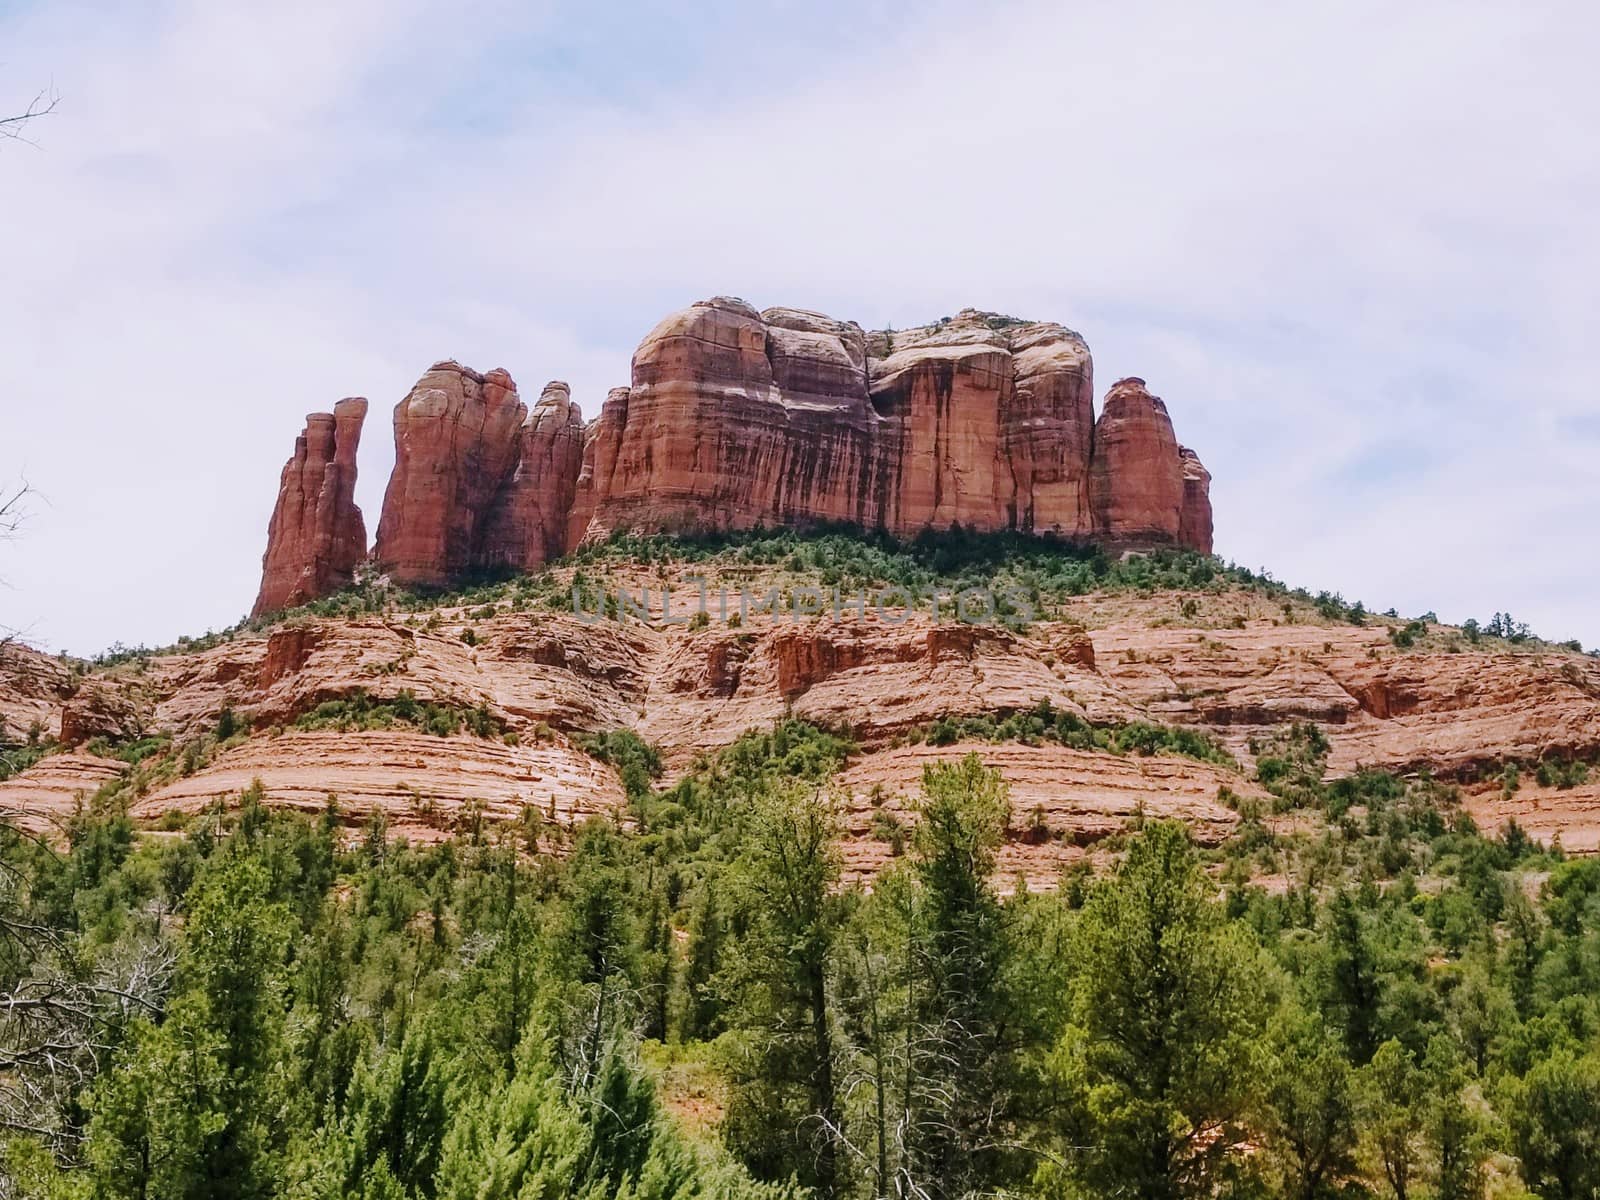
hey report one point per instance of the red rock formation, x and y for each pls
(456, 438)
(316, 537)
(1136, 476)
(942, 463)
(1049, 431)
(730, 423)
(1194, 520)
(737, 419)
(97, 711)
(528, 525)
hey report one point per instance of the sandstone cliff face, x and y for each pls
(456, 438)
(317, 536)
(528, 523)
(1194, 519)
(941, 402)
(735, 419)
(1137, 480)
(1050, 432)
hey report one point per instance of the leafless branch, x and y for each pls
(42, 105)
(14, 508)
(14, 513)
(55, 1023)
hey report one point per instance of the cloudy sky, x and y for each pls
(1353, 245)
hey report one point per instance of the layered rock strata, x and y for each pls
(1235, 666)
(736, 419)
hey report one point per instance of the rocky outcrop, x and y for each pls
(316, 537)
(1194, 518)
(426, 787)
(457, 436)
(43, 800)
(96, 710)
(1062, 801)
(736, 419)
(528, 525)
(33, 687)
(1137, 477)
(732, 423)
(1235, 665)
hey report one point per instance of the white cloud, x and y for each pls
(1351, 245)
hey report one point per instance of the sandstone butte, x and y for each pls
(735, 419)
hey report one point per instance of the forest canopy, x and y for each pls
(697, 999)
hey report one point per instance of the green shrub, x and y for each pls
(1405, 636)
(1045, 723)
(358, 711)
(636, 761)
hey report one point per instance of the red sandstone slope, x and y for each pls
(1232, 664)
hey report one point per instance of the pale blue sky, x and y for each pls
(1352, 245)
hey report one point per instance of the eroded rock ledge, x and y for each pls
(734, 419)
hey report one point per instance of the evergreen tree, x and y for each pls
(1391, 1091)
(1453, 1129)
(657, 962)
(194, 1109)
(523, 1140)
(396, 1117)
(1554, 1116)
(1310, 1115)
(1355, 986)
(785, 1117)
(595, 944)
(1158, 1063)
(957, 1059)
(702, 1014)
(874, 973)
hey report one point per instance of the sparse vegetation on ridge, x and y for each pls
(16, 759)
(1045, 723)
(359, 711)
(1048, 570)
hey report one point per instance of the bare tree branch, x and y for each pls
(42, 105)
(14, 508)
(14, 513)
